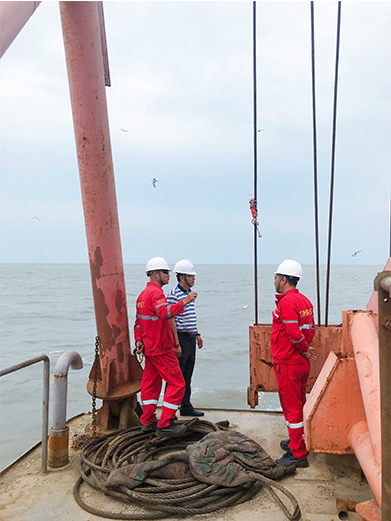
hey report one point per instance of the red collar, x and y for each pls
(279, 296)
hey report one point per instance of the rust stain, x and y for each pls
(266, 362)
(118, 301)
(60, 376)
(116, 330)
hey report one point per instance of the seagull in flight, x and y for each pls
(261, 130)
(124, 130)
(35, 217)
(154, 181)
(356, 253)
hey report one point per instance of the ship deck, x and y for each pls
(27, 494)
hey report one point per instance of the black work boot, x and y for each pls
(288, 459)
(284, 444)
(174, 430)
(190, 411)
(149, 428)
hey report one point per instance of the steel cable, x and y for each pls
(160, 498)
(333, 164)
(315, 148)
(255, 159)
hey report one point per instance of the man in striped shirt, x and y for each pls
(185, 331)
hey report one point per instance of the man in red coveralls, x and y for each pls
(153, 335)
(293, 330)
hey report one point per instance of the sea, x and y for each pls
(48, 309)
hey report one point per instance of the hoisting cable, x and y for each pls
(254, 200)
(333, 163)
(315, 162)
(158, 497)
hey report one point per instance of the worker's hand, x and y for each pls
(178, 351)
(190, 297)
(310, 354)
(139, 347)
(200, 342)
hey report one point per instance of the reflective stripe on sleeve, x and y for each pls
(290, 321)
(170, 406)
(307, 326)
(146, 317)
(135, 327)
(162, 304)
(297, 341)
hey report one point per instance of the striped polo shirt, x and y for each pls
(187, 321)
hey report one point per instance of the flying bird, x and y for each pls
(261, 130)
(356, 253)
(154, 181)
(35, 217)
(124, 130)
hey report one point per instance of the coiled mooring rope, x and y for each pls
(160, 498)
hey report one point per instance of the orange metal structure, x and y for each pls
(343, 412)
(262, 376)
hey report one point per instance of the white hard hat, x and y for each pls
(290, 268)
(156, 263)
(185, 266)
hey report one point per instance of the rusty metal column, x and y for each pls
(382, 285)
(119, 373)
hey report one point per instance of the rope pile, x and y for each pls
(161, 498)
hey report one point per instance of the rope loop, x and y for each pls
(159, 498)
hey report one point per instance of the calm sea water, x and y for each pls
(48, 309)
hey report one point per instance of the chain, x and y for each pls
(94, 388)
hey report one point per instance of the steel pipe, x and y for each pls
(360, 441)
(13, 17)
(82, 42)
(58, 443)
(365, 342)
(382, 284)
(60, 390)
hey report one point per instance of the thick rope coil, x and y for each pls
(161, 498)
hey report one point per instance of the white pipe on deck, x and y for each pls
(68, 359)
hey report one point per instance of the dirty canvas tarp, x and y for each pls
(219, 458)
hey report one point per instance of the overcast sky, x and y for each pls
(181, 77)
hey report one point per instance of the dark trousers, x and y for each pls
(187, 362)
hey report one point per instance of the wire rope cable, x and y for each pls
(315, 149)
(332, 164)
(158, 498)
(255, 158)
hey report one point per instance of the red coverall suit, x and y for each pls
(293, 329)
(152, 327)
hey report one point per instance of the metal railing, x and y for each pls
(45, 402)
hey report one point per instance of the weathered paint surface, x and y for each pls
(262, 376)
(119, 371)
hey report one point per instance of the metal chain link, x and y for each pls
(96, 361)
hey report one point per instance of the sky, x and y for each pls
(182, 87)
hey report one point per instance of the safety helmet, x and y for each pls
(156, 263)
(290, 268)
(184, 267)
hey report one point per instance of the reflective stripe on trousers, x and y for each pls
(158, 368)
(291, 382)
